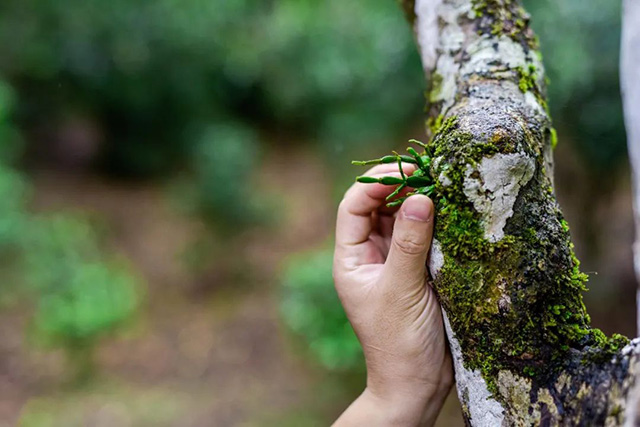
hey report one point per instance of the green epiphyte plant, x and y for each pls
(420, 181)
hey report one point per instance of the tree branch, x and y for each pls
(502, 262)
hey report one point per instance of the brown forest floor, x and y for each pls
(208, 348)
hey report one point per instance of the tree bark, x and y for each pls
(502, 261)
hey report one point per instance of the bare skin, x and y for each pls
(381, 279)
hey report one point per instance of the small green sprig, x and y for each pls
(420, 180)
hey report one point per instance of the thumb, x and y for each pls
(405, 266)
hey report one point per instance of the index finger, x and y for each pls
(354, 223)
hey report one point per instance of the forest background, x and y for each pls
(169, 175)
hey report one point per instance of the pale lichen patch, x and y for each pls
(453, 35)
(446, 92)
(515, 390)
(532, 101)
(547, 405)
(490, 53)
(563, 381)
(436, 162)
(444, 180)
(616, 403)
(493, 187)
(483, 409)
(584, 391)
(436, 258)
(504, 303)
(426, 28)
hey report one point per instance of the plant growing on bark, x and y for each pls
(420, 180)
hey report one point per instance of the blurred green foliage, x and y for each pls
(13, 193)
(83, 294)
(224, 158)
(12, 217)
(344, 74)
(10, 139)
(148, 71)
(310, 307)
(80, 292)
(580, 40)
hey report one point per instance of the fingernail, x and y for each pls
(417, 208)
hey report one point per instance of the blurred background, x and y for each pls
(169, 173)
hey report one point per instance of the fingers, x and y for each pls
(354, 223)
(385, 225)
(410, 242)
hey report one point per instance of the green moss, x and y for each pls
(435, 87)
(454, 143)
(514, 304)
(616, 410)
(527, 80)
(554, 138)
(529, 371)
(446, 125)
(603, 348)
(434, 123)
(497, 27)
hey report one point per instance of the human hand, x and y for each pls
(380, 275)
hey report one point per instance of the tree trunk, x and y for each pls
(502, 261)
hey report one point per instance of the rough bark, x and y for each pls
(502, 262)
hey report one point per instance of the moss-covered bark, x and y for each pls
(503, 262)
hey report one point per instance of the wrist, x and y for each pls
(406, 406)
(419, 392)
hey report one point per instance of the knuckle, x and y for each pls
(343, 203)
(343, 206)
(410, 244)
